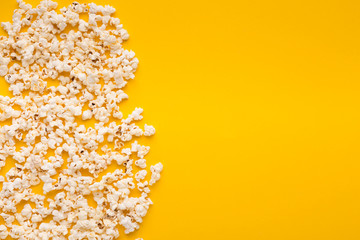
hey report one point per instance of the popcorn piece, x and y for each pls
(149, 130)
(3, 232)
(86, 115)
(155, 170)
(140, 175)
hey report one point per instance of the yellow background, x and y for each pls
(256, 105)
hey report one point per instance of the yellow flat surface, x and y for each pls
(257, 110)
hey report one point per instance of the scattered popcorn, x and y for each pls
(90, 68)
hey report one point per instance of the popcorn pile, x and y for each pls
(87, 61)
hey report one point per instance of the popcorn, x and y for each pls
(155, 170)
(3, 70)
(140, 175)
(3, 232)
(149, 130)
(61, 154)
(141, 163)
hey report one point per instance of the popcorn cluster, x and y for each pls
(90, 67)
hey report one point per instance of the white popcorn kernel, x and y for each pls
(36, 218)
(52, 143)
(87, 115)
(140, 175)
(149, 130)
(27, 211)
(3, 70)
(155, 170)
(62, 89)
(3, 232)
(141, 163)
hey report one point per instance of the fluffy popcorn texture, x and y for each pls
(58, 151)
